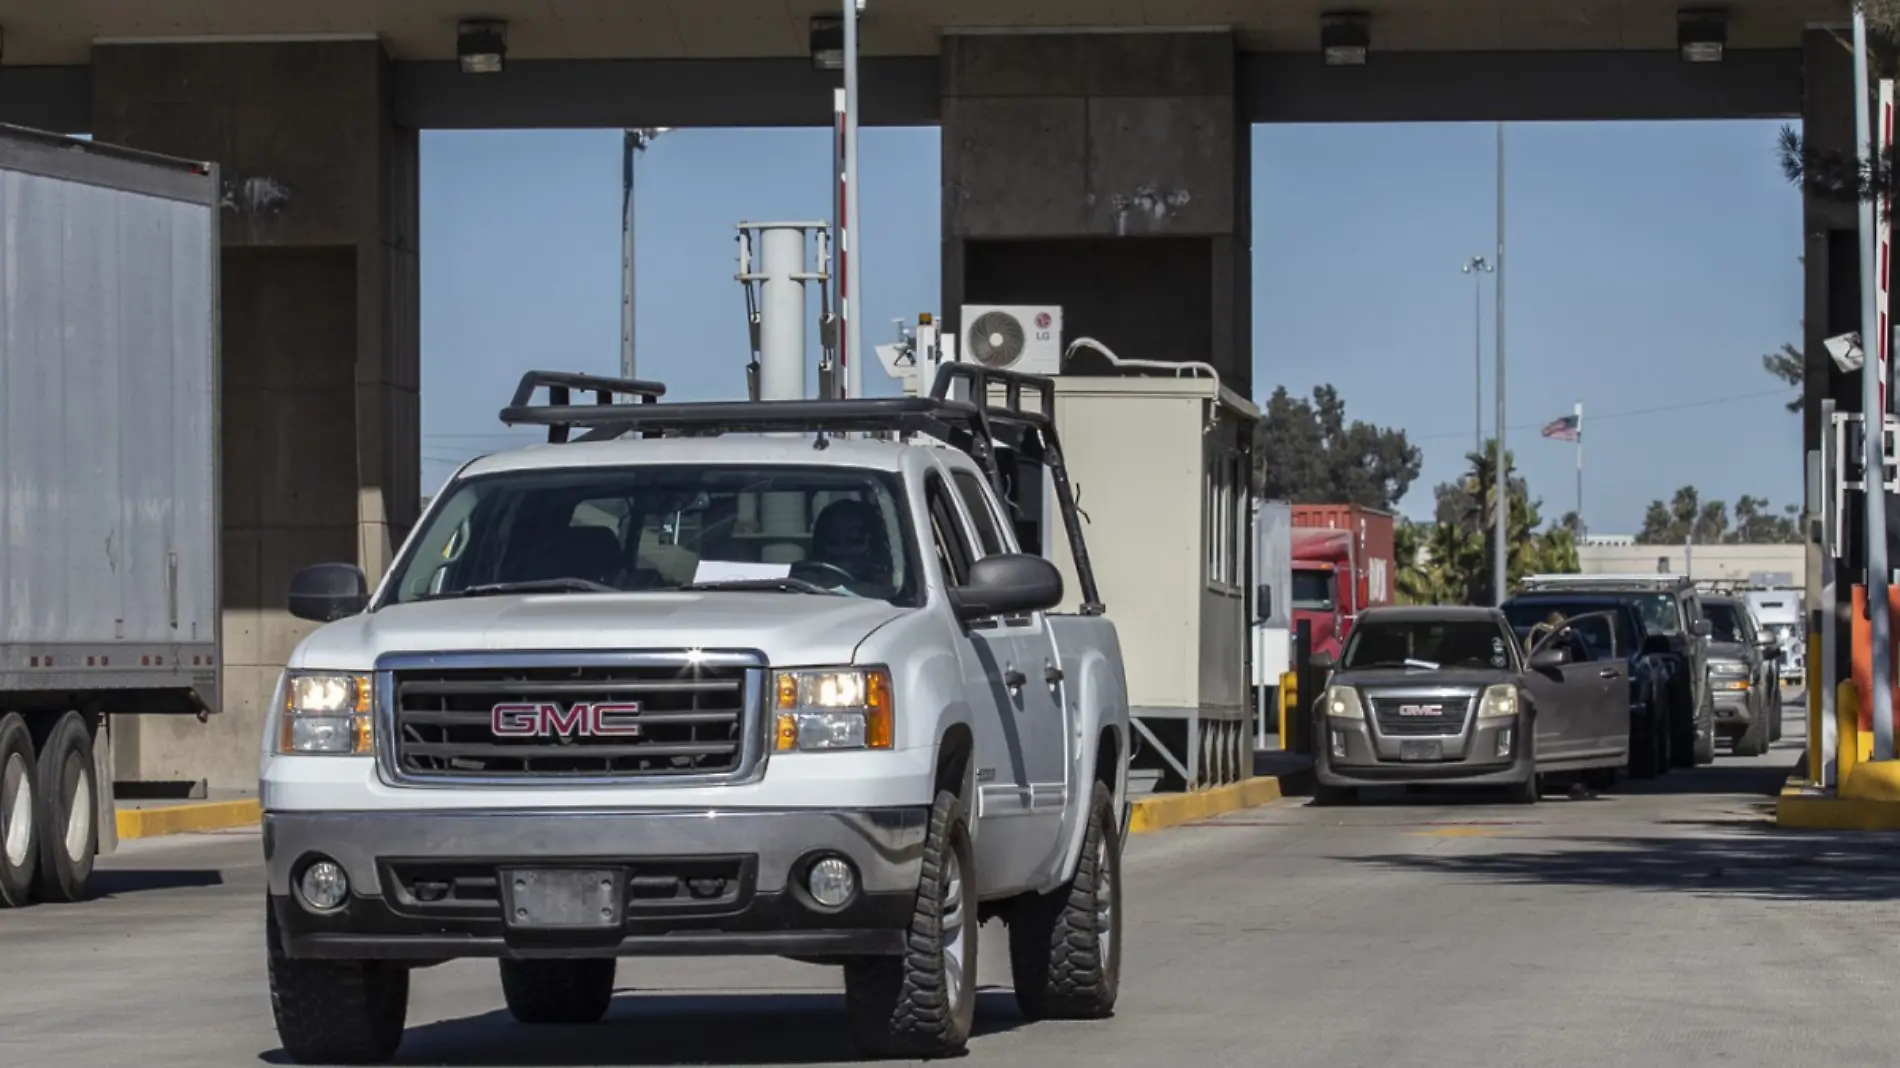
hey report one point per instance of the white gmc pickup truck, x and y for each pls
(708, 679)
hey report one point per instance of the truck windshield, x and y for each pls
(1659, 613)
(1725, 623)
(818, 529)
(1312, 590)
(1427, 644)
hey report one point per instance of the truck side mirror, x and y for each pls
(1007, 584)
(1323, 660)
(324, 593)
(1702, 628)
(1550, 657)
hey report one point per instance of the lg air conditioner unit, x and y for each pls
(1013, 337)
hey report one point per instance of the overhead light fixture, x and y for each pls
(1701, 34)
(481, 45)
(1344, 37)
(827, 42)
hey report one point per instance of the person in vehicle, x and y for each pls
(1549, 625)
(849, 538)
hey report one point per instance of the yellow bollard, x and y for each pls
(1289, 701)
(1847, 729)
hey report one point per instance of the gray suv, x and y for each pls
(1669, 607)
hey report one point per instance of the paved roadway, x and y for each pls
(1662, 924)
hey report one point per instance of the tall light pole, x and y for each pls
(1477, 267)
(1500, 564)
(852, 256)
(1873, 402)
(632, 143)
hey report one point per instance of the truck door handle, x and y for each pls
(1609, 673)
(1051, 674)
(1014, 679)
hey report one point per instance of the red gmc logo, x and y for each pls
(581, 719)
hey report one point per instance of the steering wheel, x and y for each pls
(832, 573)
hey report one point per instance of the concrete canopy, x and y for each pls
(39, 33)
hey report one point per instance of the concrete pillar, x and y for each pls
(1107, 173)
(319, 415)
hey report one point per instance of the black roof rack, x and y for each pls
(974, 423)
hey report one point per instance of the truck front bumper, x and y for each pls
(1352, 754)
(437, 886)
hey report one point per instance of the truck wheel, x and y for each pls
(558, 991)
(922, 1004)
(1683, 730)
(1527, 792)
(69, 828)
(1646, 749)
(1705, 735)
(1753, 742)
(19, 823)
(1065, 948)
(336, 1012)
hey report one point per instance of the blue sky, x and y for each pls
(1650, 266)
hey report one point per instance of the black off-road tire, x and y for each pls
(558, 991)
(1753, 742)
(68, 809)
(1683, 726)
(904, 1006)
(1062, 968)
(336, 1012)
(1527, 792)
(1648, 757)
(1705, 733)
(19, 784)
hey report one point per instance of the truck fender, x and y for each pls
(1101, 702)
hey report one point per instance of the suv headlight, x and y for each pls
(833, 708)
(1498, 702)
(325, 712)
(1727, 668)
(1342, 702)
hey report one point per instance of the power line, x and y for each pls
(1630, 414)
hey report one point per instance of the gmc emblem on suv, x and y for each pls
(549, 720)
(1421, 710)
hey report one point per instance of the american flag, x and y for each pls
(1563, 428)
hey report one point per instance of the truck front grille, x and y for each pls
(1414, 717)
(664, 721)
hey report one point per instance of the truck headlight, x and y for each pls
(1342, 702)
(1498, 702)
(325, 712)
(833, 708)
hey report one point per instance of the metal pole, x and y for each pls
(1580, 526)
(853, 295)
(782, 363)
(1872, 399)
(632, 143)
(1500, 565)
(629, 145)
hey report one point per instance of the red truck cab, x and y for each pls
(1342, 565)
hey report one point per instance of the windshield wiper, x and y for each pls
(554, 585)
(785, 585)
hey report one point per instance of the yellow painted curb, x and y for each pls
(185, 819)
(1162, 811)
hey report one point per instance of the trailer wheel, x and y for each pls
(1065, 948)
(19, 823)
(69, 828)
(923, 1003)
(336, 1011)
(558, 991)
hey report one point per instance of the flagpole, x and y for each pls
(1580, 526)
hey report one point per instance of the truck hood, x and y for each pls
(1396, 678)
(789, 628)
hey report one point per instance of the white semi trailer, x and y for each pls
(109, 585)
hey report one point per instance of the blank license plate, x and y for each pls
(1422, 750)
(561, 898)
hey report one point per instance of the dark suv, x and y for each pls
(1616, 631)
(1670, 614)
